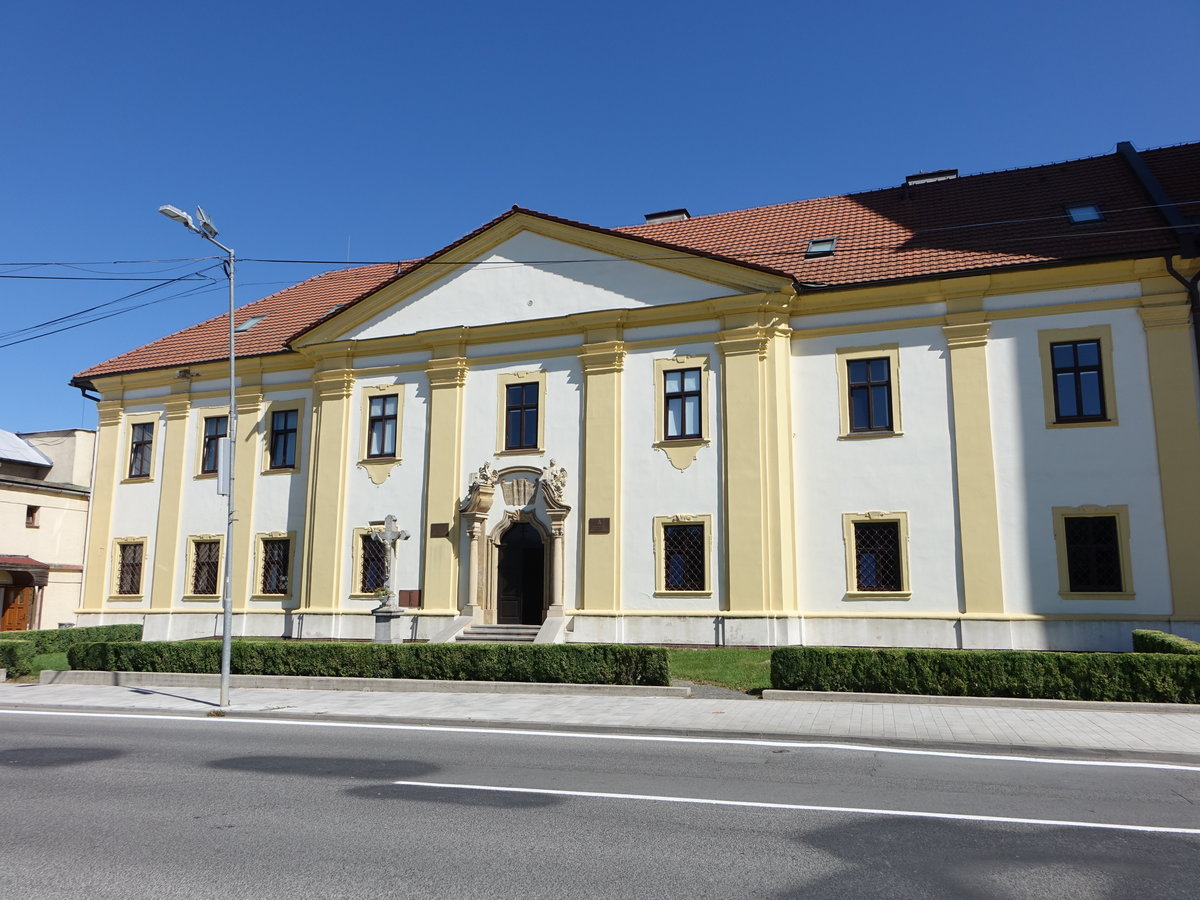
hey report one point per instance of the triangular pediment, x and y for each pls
(525, 268)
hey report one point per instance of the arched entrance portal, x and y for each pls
(521, 576)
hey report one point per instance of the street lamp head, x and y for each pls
(206, 224)
(174, 212)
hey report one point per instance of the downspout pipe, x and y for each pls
(1192, 287)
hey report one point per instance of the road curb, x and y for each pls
(994, 702)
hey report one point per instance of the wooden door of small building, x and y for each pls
(18, 608)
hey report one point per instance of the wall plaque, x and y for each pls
(599, 526)
(439, 529)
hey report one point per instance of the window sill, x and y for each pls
(1099, 423)
(126, 598)
(878, 595)
(204, 476)
(682, 453)
(207, 598)
(138, 479)
(1097, 595)
(666, 593)
(272, 597)
(282, 471)
(868, 435)
(378, 468)
(522, 451)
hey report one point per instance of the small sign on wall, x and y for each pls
(599, 526)
(439, 529)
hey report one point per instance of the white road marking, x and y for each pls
(803, 807)
(603, 736)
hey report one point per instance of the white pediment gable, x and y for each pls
(530, 276)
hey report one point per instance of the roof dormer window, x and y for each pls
(1082, 213)
(820, 247)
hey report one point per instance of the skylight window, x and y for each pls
(820, 247)
(1084, 212)
(249, 323)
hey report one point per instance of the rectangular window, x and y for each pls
(140, 445)
(373, 573)
(283, 440)
(521, 416)
(877, 563)
(1078, 381)
(1093, 554)
(870, 388)
(129, 569)
(206, 560)
(683, 557)
(381, 426)
(276, 554)
(681, 404)
(32, 516)
(215, 429)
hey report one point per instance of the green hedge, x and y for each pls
(559, 663)
(1144, 677)
(17, 657)
(1147, 641)
(57, 640)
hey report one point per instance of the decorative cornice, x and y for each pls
(598, 359)
(974, 334)
(451, 372)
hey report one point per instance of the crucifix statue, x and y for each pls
(388, 537)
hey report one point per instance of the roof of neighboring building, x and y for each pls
(16, 449)
(1012, 218)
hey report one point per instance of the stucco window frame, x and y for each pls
(268, 416)
(1102, 334)
(503, 381)
(131, 421)
(660, 555)
(379, 467)
(843, 356)
(260, 562)
(849, 520)
(204, 414)
(1121, 513)
(682, 452)
(189, 572)
(115, 581)
(356, 592)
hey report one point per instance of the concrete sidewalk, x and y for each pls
(1156, 732)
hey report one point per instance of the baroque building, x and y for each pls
(956, 412)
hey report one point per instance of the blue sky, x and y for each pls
(371, 131)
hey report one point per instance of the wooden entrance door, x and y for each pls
(18, 607)
(521, 580)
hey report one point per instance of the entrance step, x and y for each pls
(501, 634)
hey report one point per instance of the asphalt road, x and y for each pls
(132, 807)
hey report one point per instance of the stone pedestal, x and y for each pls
(389, 625)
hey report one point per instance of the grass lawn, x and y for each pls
(44, 661)
(742, 670)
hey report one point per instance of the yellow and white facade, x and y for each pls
(748, 524)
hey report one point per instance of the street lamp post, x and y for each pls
(208, 231)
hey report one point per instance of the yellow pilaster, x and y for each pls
(443, 488)
(760, 496)
(168, 548)
(247, 460)
(328, 459)
(99, 539)
(603, 363)
(975, 466)
(1170, 349)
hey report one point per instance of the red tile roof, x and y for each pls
(975, 223)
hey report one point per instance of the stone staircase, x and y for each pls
(501, 634)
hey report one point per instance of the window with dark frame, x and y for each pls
(32, 516)
(215, 429)
(681, 404)
(877, 565)
(521, 416)
(1093, 554)
(381, 426)
(206, 558)
(373, 571)
(129, 574)
(283, 438)
(276, 552)
(1078, 382)
(870, 386)
(140, 445)
(683, 557)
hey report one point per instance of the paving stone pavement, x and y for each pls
(1099, 729)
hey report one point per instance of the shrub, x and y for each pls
(17, 657)
(1143, 677)
(57, 640)
(1147, 641)
(558, 663)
